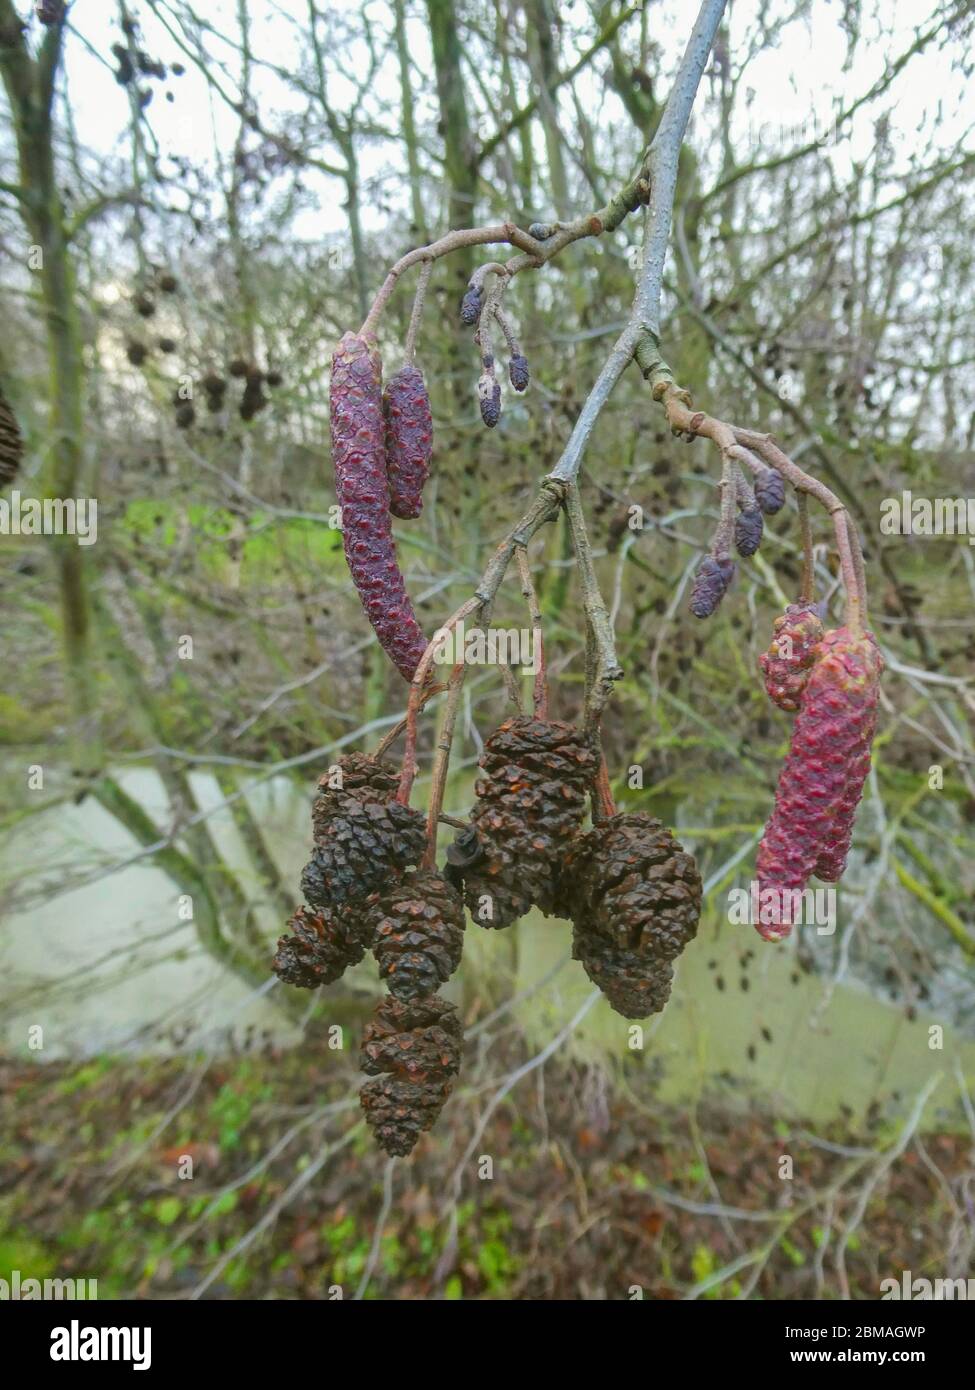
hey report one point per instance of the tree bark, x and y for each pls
(30, 84)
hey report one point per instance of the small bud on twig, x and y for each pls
(770, 491)
(748, 531)
(711, 583)
(470, 306)
(749, 524)
(489, 395)
(518, 372)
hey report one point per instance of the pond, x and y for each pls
(108, 963)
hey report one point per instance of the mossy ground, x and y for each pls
(591, 1197)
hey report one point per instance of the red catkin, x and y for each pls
(409, 441)
(786, 666)
(822, 778)
(359, 458)
(831, 863)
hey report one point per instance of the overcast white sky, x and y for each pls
(795, 84)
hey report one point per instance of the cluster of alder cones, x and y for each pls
(632, 893)
(213, 383)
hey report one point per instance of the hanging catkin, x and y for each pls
(822, 778)
(359, 459)
(788, 663)
(409, 441)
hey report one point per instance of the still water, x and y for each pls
(106, 960)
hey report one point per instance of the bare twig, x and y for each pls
(540, 692)
(806, 589)
(607, 669)
(377, 1235)
(441, 761)
(409, 350)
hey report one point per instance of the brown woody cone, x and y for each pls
(355, 774)
(634, 896)
(530, 804)
(416, 930)
(363, 836)
(322, 947)
(412, 1050)
(634, 985)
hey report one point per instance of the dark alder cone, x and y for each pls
(145, 305)
(749, 526)
(185, 415)
(322, 947)
(416, 931)
(412, 1050)
(168, 284)
(136, 353)
(634, 896)
(409, 441)
(631, 882)
(359, 458)
(274, 378)
(360, 847)
(470, 306)
(711, 582)
(530, 804)
(822, 778)
(786, 666)
(166, 344)
(125, 71)
(253, 400)
(216, 388)
(355, 774)
(770, 491)
(489, 396)
(11, 443)
(634, 985)
(518, 372)
(238, 367)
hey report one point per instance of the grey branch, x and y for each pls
(660, 169)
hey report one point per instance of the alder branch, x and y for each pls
(659, 168)
(738, 443)
(655, 185)
(605, 668)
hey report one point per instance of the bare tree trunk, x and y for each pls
(460, 152)
(540, 21)
(30, 87)
(409, 122)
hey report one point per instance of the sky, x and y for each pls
(792, 87)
